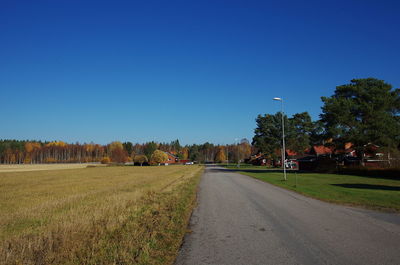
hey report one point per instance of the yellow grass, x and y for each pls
(35, 167)
(101, 215)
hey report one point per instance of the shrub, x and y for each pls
(389, 173)
(105, 160)
(50, 160)
(140, 159)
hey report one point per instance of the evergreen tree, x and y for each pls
(149, 149)
(299, 132)
(364, 111)
(128, 147)
(268, 134)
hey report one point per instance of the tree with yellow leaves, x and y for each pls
(220, 155)
(158, 157)
(185, 153)
(117, 152)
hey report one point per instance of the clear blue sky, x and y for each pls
(193, 70)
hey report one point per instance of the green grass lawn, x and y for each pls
(373, 193)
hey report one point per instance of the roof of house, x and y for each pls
(258, 157)
(348, 146)
(169, 154)
(372, 146)
(290, 152)
(322, 150)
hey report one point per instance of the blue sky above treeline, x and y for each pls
(194, 70)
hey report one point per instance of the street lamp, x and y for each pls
(283, 139)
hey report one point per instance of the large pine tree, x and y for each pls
(364, 111)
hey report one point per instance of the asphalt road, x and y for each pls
(241, 220)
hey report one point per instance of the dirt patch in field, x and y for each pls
(36, 167)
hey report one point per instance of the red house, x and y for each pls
(171, 158)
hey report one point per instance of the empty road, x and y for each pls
(241, 220)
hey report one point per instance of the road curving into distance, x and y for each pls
(241, 220)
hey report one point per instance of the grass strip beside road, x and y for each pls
(113, 215)
(372, 193)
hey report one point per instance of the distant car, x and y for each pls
(189, 163)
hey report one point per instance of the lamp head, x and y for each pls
(279, 99)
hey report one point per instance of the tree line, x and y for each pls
(362, 112)
(37, 152)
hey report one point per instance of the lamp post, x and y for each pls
(283, 139)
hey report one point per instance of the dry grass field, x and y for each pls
(100, 215)
(35, 167)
